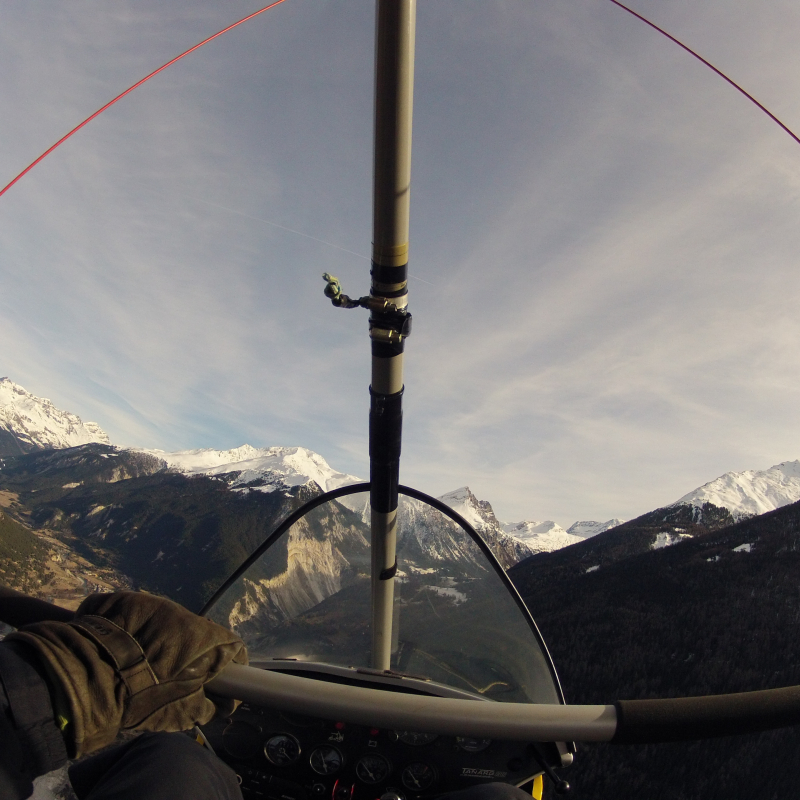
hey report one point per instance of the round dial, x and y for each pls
(241, 740)
(418, 777)
(373, 769)
(416, 739)
(472, 745)
(326, 760)
(282, 749)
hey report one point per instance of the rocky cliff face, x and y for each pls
(479, 513)
(307, 566)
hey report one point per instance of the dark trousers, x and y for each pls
(155, 766)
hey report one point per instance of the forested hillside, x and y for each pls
(719, 612)
(120, 510)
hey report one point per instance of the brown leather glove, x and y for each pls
(130, 660)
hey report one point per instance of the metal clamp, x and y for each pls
(387, 323)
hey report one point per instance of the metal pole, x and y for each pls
(394, 84)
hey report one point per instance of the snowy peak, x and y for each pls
(264, 469)
(749, 493)
(532, 528)
(588, 528)
(478, 513)
(31, 423)
(544, 537)
(541, 537)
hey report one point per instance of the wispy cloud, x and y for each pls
(604, 240)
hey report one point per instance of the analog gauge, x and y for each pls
(418, 777)
(282, 749)
(241, 740)
(416, 739)
(326, 760)
(472, 745)
(373, 769)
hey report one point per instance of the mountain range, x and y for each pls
(698, 596)
(627, 617)
(29, 424)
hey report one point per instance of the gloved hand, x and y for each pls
(130, 660)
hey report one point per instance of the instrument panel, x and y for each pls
(280, 756)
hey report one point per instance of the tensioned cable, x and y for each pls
(710, 66)
(278, 2)
(135, 86)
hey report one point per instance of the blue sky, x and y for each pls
(604, 238)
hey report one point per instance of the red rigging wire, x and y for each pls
(128, 91)
(710, 66)
(278, 2)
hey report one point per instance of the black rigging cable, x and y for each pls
(710, 66)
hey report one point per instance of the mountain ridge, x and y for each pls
(749, 493)
(28, 422)
(715, 613)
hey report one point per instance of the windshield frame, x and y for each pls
(356, 488)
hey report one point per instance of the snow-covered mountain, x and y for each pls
(508, 549)
(436, 537)
(546, 536)
(749, 493)
(30, 423)
(263, 469)
(541, 537)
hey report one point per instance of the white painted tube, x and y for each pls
(398, 711)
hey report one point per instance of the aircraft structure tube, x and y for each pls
(394, 710)
(394, 85)
(624, 722)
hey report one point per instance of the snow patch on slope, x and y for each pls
(264, 469)
(37, 423)
(588, 528)
(749, 493)
(667, 539)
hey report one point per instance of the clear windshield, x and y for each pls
(308, 598)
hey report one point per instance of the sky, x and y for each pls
(604, 238)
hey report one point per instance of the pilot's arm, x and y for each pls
(126, 661)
